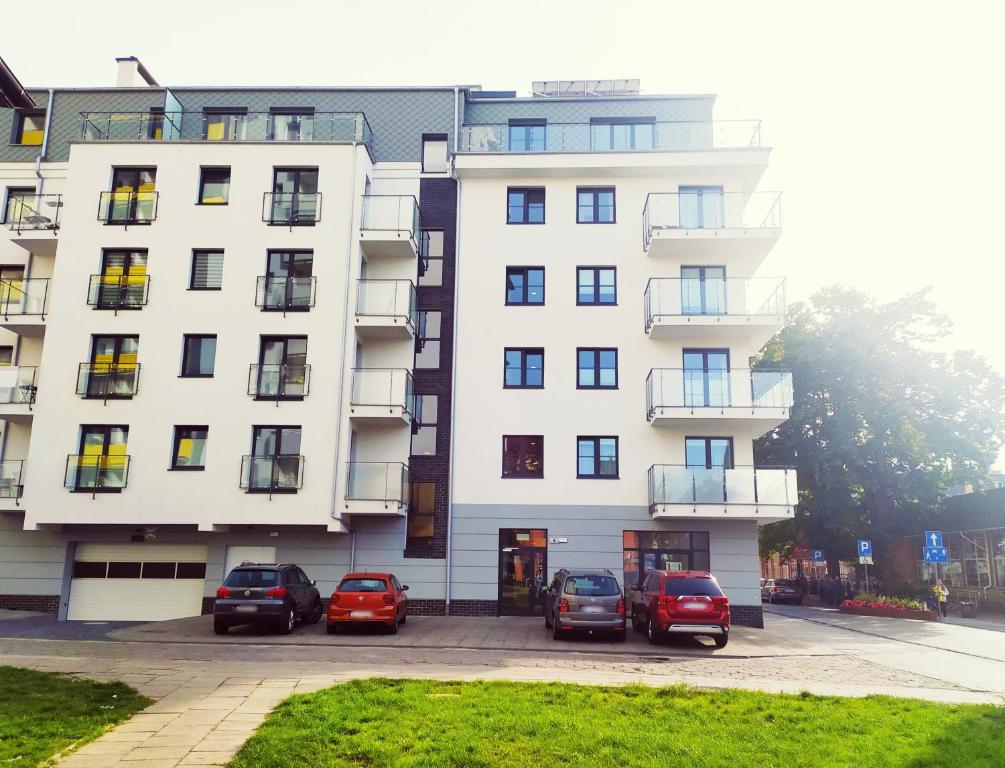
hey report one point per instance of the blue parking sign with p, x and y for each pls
(818, 556)
(864, 548)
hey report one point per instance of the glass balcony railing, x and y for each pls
(127, 208)
(689, 389)
(118, 291)
(11, 486)
(392, 213)
(18, 384)
(96, 473)
(387, 298)
(108, 381)
(24, 296)
(704, 209)
(674, 297)
(237, 126)
(674, 484)
(385, 481)
(292, 209)
(283, 473)
(34, 213)
(389, 388)
(285, 294)
(279, 381)
(610, 136)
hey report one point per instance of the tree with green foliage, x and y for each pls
(882, 425)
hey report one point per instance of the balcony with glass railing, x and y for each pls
(279, 381)
(278, 473)
(390, 227)
(118, 292)
(11, 483)
(33, 216)
(18, 387)
(376, 488)
(96, 473)
(381, 396)
(127, 208)
(707, 400)
(291, 209)
(764, 494)
(386, 309)
(108, 381)
(285, 294)
(707, 309)
(23, 305)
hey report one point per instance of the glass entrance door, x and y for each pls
(523, 571)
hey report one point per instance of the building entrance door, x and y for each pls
(523, 571)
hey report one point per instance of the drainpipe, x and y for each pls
(38, 167)
(352, 554)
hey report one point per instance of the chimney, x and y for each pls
(132, 74)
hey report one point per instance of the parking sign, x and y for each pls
(864, 548)
(818, 556)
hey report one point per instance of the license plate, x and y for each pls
(592, 609)
(246, 608)
(694, 605)
(361, 614)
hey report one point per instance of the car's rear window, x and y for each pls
(362, 585)
(592, 586)
(691, 586)
(252, 577)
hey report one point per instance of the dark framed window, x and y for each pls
(191, 571)
(18, 204)
(596, 368)
(188, 451)
(158, 570)
(224, 124)
(431, 262)
(6, 355)
(214, 186)
(524, 286)
(597, 457)
(434, 153)
(207, 271)
(421, 511)
(646, 551)
(291, 124)
(618, 133)
(709, 452)
(427, 339)
(83, 569)
(124, 570)
(595, 205)
(523, 368)
(596, 285)
(525, 205)
(30, 128)
(198, 358)
(523, 456)
(528, 135)
(424, 425)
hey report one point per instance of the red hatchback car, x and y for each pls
(368, 598)
(681, 602)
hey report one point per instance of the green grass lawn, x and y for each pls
(515, 725)
(42, 714)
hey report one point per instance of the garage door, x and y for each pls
(137, 582)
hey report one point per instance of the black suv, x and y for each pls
(267, 594)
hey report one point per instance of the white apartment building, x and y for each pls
(463, 336)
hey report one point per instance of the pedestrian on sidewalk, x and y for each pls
(941, 596)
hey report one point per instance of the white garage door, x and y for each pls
(137, 582)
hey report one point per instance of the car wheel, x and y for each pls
(721, 640)
(622, 635)
(404, 616)
(332, 628)
(392, 628)
(636, 621)
(287, 624)
(547, 621)
(652, 632)
(556, 630)
(316, 613)
(220, 627)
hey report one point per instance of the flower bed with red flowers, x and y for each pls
(884, 606)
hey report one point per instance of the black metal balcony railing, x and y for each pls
(674, 484)
(390, 388)
(17, 384)
(118, 291)
(35, 213)
(279, 381)
(24, 296)
(292, 209)
(125, 208)
(283, 473)
(108, 381)
(692, 389)
(96, 473)
(285, 294)
(385, 481)
(11, 486)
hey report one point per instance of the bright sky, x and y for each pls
(886, 117)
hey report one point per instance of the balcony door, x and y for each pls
(706, 378)
(275, 459)
(123, 279)
(291, 125)
(113, 366)
(288, 279)
(133, 195)
(701, 208)
(703, 290)
(708, 458)
(295, 195)
(282, 366)
(101, 460)
(523, 571)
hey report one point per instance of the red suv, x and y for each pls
(368, 598)
(681, 602)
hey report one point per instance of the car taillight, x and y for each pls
(388, 599)
(334, 600)
(222, 592)
(563, 606)
(667, 601)
(276, 592)
(621, 606)
(720, 602)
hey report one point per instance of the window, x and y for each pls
(709, 452)
(596, 285)
(291, 125)
(288, 283)
(525, 205)
(618, 133)
(701, 207)
(646, 551)
(275, 460)
(224, 124)
(523, 456)
(595, 205)
(282, 371)
(6, 355)
(30, 129)
(214, 186)
(122, 283)
(597, 457)
(706, 378)
(596, 368)
(427, 341)
(524, 286)
(101, 463)
(424, 425)
(528, 135)
(133, 199)
(19, 204)
(158, 570)
(523, 368)
(421, 508)
(431, 264)
(198, 356)
(703, 290)
(113, 368)
(295, 197)
(207, 271)
(189, 448)
(434, 153)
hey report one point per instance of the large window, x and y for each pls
(189, 448)
(595, 205)
(706, 378)
(291, 125)
(709, 452)
(646, 551)
(524, 286)
(431, 264)
(427, 342)
(703, 290)
(596, 285)
(597, 457)
(274, 465)
(528, 135)
(102, 461)
(701, 208)
(224, 124)
(524, 368)
(207, 271)
(295, 197)
(282, 371)
(525, 205)
(608, 134)
(198, 355)
(30, 129)
(424, 425)
(113, 368)
(596, 368)
(214, 186)
(421, 510)
(523, 456)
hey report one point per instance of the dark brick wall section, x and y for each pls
(426, 607)
(207, 605)
(43, 603)
(747, 616)
(474, 608)
(438, 202)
